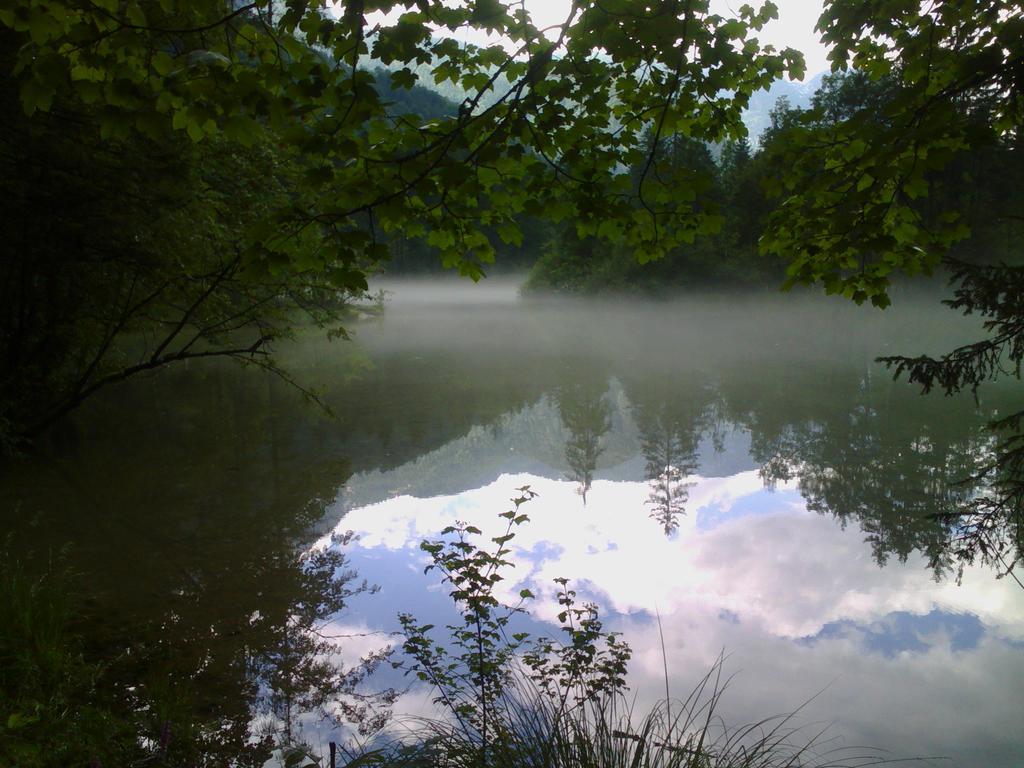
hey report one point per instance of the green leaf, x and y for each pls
(36, 96)
(295, 757)
(853, 149)
(510, 233)
(916, 188)
(162, 63)
(194, 130)
(135, 14)
(43, 26)
(18, 720)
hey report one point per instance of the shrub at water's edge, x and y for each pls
(52, 711)
(606, 732)
(505, 698)
(509, 700)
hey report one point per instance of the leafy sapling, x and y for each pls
(475, 676)
(590, 665)
(471, 676)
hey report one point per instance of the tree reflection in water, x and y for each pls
(901, 466)
(300, 670)
(671, 420)
(586, 415)
(190, 528)
(235, 687)
(671, 453)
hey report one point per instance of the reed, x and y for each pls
(530, 729)
(509, 702)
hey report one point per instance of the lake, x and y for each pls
(734, 474)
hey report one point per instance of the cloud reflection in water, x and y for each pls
(898, 661)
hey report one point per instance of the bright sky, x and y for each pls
(795, 26)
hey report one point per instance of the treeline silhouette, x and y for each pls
(740, 182)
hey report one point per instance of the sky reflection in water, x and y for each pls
(803, 467)
(455, 398)
(892, 658)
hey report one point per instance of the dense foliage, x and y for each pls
(124, 254)
(281, 104)
(980, 185)
(53, 709)
(854, 214)
(186, 180)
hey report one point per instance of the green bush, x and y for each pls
(51, 709)
(508, 701)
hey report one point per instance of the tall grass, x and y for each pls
(50, 708)
(532, 730)
(564, 704)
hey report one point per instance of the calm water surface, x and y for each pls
(739, 466)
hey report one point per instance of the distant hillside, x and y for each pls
(418, 100)
(430, 99)
(757, 116)
(438, 100)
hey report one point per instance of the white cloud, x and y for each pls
(752, 585)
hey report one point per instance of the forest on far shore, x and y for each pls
(739, 181)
